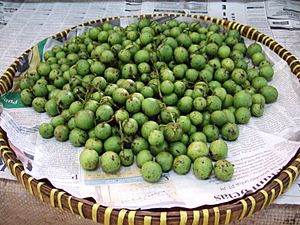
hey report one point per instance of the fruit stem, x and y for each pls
(122, 135)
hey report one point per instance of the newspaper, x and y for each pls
(46, 19)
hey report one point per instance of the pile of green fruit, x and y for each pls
(154, 93)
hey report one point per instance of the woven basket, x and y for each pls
(218, 214)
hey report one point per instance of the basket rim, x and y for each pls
(216, 214)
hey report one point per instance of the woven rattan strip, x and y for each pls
(291, 179)
(183, 217)
(196, 217)
(95, 213)
(228, 216)
(121, 216)
(238, 209)
(40, 195)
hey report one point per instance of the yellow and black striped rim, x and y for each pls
(221, 214)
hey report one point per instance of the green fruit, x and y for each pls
(198, 62)
(141, 56)
(169, 114)
(184, 40)
(143, 157)
(185, 104)
(82, 67)
(239, 76)
(242, 99)
(94, 144)
(228, 64)
(151, 89)
(40, 90)
(254, 48)
(165, 53)
(197, 136)
(259, 82)
(165, 160)
(130, 126)
(26, 83)
(166, 87)
(196, 118)
(179, 71)
(229, 115)
(38, 104)
(203, 167)
(230, 132)
(140, 118)
(75, 107)
(107, 26)
(78, 137)
(43, 69)
(257, 110)
(111, 74)
(121, 115)
(192, 75)
(113, 144)
(224, 52)
(91, 105)
(156, 137)
(85, 119)
(46, 130)
(173, 132)
(107, 57)
(197, 149)
(242, 115)
(126, 157)
(177, 148)
(212, 49)
(26, 97)
(220, 92)
(57, 120)
(211, 132)
(181, 55)
(218, 149)
(104, 112)
(120, 95)
(223, 170)
(213, 103)
(218, 118)
(115, 38)
(61, 133)
(185, 123)
(258, 99)
(66, 114)
(151, 106)
(103, 130)
(206, 75)
(151, 171)
(110, 162)
(133, 105)
(199, 103)
(51, 107)
(139, 144)
(89, 159)
(129, 71)
(257, 58)
(64, 99)
(270, 93)
(228, 101)
(144, 68)
(182, 164)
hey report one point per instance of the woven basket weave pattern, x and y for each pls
(221, 214)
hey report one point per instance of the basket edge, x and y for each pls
(240, 209)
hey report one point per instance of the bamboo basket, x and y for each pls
(217, 214)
